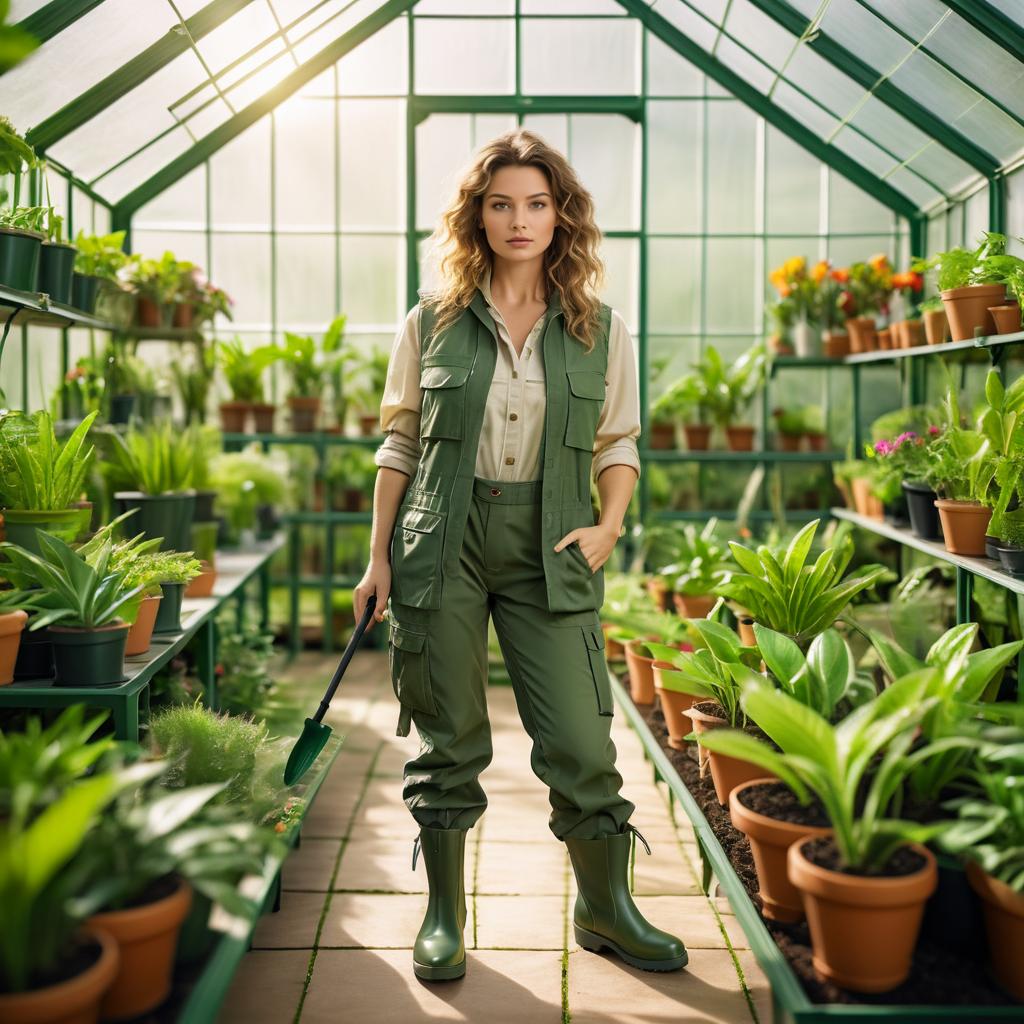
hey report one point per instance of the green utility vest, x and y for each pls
(455, 376)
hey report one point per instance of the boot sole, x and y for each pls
(594, 943)
(429, 973)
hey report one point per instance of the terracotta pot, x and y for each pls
(11, 626)
(789, 442)
(817, 442)
(263, 417)
(726, 772)
(698, 436)
(659, 593)
(75, 1001)
(184, 315)
(641, 674)
(674, 706)
(964, 525)
(836, 344)
(770, 840)
(202, 585)
(740, 438)
(147, 937)
(745, 628)
(147, 312)
(304, 412)
(369, 424)
(863, 929)
(864, 501)
(613, 649)
(663, 436)
(693, 606)
(936, 326)
(862, 333)
(233, 417)
(885, 339)
(1004, 923)
(896, 334)
(141, 632)
(913, 333)
(967, 309)
(1006, 318)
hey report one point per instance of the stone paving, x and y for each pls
(339, 949)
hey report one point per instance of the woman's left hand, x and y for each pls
(596, 542)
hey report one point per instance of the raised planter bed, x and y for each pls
(943, 985)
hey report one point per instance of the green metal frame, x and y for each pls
(992, 23)
(56, 16)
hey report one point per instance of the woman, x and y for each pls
(507, 387)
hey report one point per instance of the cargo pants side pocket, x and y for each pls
(408, 654)
(593, 639)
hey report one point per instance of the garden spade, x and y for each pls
(314, 733)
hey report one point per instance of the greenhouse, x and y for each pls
(511, 511)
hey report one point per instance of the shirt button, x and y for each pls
(515, 374)
(514, 416)
(509, 461)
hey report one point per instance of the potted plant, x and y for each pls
(866, 295)
(244, 373)
(41, 479)
(730, 390)
(907, 286)
(700, 563)
(56, 257)
(1001, 268)
(933, 316)
(781, 591)
(814, 428)
(800, 290)
(82, 602)
(790, 427)
(21, 227)
(662, 423)
(245, 482)
(339, 353)
(373, 368)
(12, 622)
(870, 860)
(351, 473)
(905, 462)
(194, 383)
(97, 262)
(159, 286)
(152, 470)
(307, 376)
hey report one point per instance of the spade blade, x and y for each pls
(306, 750)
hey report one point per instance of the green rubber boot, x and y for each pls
(605, 915)
(439, 953)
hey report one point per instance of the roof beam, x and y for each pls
(45, 23)
(992, 23)
(120, 82)
(881, 87)
(774, 115)
(235, 125)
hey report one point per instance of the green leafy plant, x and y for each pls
(802, 419)
(959, 267)
(163, 280)
(784, 593)
(100, 255)
(36, 471)
(730, 387)
(244, 682)
(138, 561)
(685, 399)
(194, 381)
(15, 152)
(245, 480)
(699, 560)
(24, 218)
(339, 353)
(244, 369)
(155, 460)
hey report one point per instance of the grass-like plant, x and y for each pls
(699, 560)
(784, 593)
(244, 369)
(155, 460)
(37, 472)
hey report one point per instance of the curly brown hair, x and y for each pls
(571, 263)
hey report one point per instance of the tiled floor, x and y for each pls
(340, 947)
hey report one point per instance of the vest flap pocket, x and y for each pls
(587, 384)
(443, 376)
(419, 520)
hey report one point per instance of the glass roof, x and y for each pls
(912, 92)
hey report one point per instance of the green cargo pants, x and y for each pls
(556, 662)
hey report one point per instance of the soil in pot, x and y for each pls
(1012, 560)
(147, 936)
(12, 625)
(233, 416)
(56, 266)
(768, 813)
(168, 616)
(698, 436)
(863, 927)
(263, 417)
(924, 516)
(967, 309)
(89, 657)
(693, 606)
(304, 413)
(141, 631)
(35, 655)
(160, 515)
(935, 326)
(964, 524)
(726, 772)
(740, 438)
(1004, 923)
(953, 917)
(663, 436)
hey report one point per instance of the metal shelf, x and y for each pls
(994, 341)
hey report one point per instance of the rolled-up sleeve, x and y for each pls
(400, 404)
(619, 425)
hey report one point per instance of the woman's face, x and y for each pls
(519, 204)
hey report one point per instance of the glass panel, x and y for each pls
(186, 245)
(101, 219)
(240, 179)
(844, 251)
(731, 285)
(260, 82)
(304, 173)
(372, 279)
(553, 128)
(759, 33)
(372, 163)
(240, 33)
(622, 278)
(807, 113)
(465, 7)
(442, 143)
(305, 281)
(732, 153)
(606, 156)
(668, 74)
(117, 183)
(859, 31)
(942, 167)
(675, 176)
(850, 209)
(976, 216)
(1011, 8)
(688, 21)
(485, 127)
(864, 151)
(673, 284)
(485, 56)
(677, 354)
(792, 202)
(911, 185)
(1015, 211)
(820, 78)
(241, 266)
(81, 212)
(569, 7)
(21, 9)
(580, 57)
(749, 68)
(182, 205)
(380, 65)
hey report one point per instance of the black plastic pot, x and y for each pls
(992, 546)
(35, 655)
(56, 267)
(19, 259)
(924, 516)
(84, 288)
(160, 515)
(267, 522)
(121, 408)
(953, 917)
(168, 614)
(1012, 560)
(204, 507)
(89, 657)
(896, 512)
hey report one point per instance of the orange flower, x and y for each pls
(908, 279)
(819, 271)
(880, 263)
(841, 274)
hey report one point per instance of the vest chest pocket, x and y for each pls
(443, 409)
(410, 669)
(586, 399)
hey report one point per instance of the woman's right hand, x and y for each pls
(376, 580)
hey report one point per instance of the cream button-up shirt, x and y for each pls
(513, 424)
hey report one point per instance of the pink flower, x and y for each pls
(883, 448)
(934, 431)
